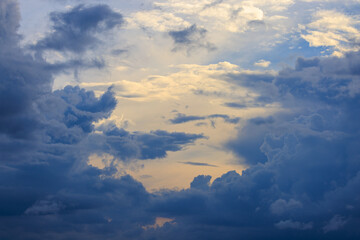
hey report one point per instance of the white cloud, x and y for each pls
(228, 15)
(262, 63)
(333, 29)
(157, 20)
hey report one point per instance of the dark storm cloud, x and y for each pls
(182, 118)
(76, 30)
(304, 174)
(302, 181)
(155, 144)
(191, 38)
(48, 190)
(201, 182)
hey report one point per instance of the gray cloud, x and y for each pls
(289, 224)
(76, 30)
(302, 181)
(182, 118)
(47, 188)
(199, 164)
(191, 38)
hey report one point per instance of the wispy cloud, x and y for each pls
(199, 164)
(182, 118)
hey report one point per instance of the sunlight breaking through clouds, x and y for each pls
(179, 119)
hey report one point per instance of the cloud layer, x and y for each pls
(303, 170)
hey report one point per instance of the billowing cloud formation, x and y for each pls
(46, 138)
(126, 145)
(304, 174)
(302, 181)
(76, 30)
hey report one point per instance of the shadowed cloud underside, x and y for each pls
(74, 159)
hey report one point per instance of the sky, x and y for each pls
(178, 119)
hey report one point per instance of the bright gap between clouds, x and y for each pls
(193, 90)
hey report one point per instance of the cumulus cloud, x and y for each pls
(281, 206)
(334, 29)
(303, 168)
(201, 182)
(47, 136)
(76, 29)
(302, 181)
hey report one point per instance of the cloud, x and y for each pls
(281, 206)
(159, 222)
(44, 207)
(335, 223)
(261, 120)
(302, 162)
(9, 21)
(76, 30)
(47, 136)
(289, 224)
(157, 20)
(331, 28)
(182, 118)
(199, 164)
(262, 63)
(201, 182)
(225, 16)
(191, 38)
(138, 145)
(303, 172)
(235, 105)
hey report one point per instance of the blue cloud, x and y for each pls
(46, 138)
(76, 30)
(155, 144)
(303, 170)
(191, 38)
(199, 164)
(182, 118)
(235, 105)
(302, 181)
